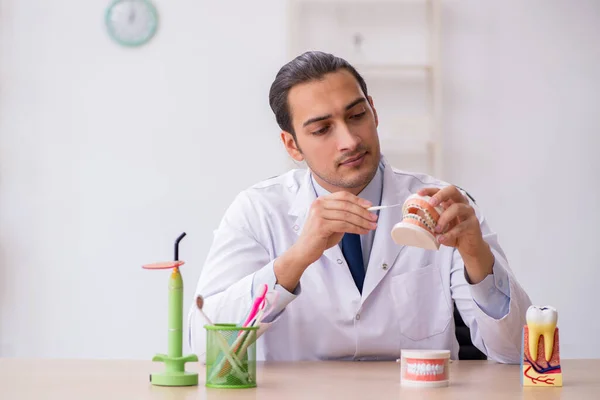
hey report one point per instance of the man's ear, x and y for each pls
(374, 110)
(291, 146)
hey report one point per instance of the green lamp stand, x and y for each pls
(174, 373)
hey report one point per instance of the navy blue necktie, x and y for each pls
(352, 251)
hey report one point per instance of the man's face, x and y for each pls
(336, 131)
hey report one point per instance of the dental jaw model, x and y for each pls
(424, 368)
(540, 364)
(419, 219)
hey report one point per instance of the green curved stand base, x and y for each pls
(174, 374)
(174, 379)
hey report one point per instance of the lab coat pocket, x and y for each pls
(420, 302)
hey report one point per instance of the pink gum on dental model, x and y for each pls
(418, 223)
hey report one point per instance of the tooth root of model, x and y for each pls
(547, 332)
(541, 321)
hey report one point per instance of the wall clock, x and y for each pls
(131, 22)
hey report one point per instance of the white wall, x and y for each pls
(107, 154)
(521, 98)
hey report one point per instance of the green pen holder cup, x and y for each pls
(230, 356)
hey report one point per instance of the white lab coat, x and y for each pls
(408, 293)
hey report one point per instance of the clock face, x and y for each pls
(131, 22)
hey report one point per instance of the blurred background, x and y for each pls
(108, 152)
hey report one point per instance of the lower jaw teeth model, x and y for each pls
(419, 219)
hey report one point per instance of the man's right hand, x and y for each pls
(328, 219)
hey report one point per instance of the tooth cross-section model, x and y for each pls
(419, 219)
(540, 364)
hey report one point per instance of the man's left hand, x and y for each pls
(459, 228)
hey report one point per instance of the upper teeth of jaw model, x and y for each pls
(541, 322)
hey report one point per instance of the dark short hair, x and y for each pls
(309, 66)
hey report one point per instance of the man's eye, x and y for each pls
(321, 131)
(358, 116)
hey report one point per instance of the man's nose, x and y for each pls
(347, 141)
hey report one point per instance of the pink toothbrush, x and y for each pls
(257, 305)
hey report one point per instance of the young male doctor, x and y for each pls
(346, 290)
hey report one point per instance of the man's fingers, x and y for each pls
(444, 197)
(446, 204)
(455, 211)
(448, 193)
(428, 191)
(449, 238)
(350, 207)
(337, 226)
(343, 212)
(347, 216)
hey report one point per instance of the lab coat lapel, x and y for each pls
(385, 251)
(300, 207)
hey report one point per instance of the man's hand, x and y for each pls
(459, 228)
(328, 219)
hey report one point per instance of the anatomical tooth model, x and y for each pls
(419, 219)
(540, 365)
